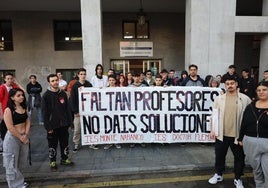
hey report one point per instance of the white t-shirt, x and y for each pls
(96, 82)
(62, 83)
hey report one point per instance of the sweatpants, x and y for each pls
(77, 130)
(60, 135)
(15, 155)
(221, 149)
(256, 150)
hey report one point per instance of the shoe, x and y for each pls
(215, 179)
(118, 146)
(66, 162)
(238, 183)
(53, 166)
(41, 123)
(132, 145)
(143, 145)
(75, 148)
(25, 185)
(93, 146)
(107, 146)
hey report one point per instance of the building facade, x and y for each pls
(212, 34)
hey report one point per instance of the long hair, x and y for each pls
(96, 68)
(118, 81)
(11, 104)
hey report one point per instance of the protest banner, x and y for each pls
(146, 114)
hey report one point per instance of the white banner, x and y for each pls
(145, 114)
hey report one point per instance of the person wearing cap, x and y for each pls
(166, 80)
(193, 79)
(247, 84)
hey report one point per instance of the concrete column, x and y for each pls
(264, 45)
(91, 17)
(210, 35)
(197, 34)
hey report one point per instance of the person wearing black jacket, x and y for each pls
(254, 135)
(34, 99)
(247, 84)
(57, 119)
(82, 82)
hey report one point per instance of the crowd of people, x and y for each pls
(241, 124)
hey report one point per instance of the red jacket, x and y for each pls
(4, 95)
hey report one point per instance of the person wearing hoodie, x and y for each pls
(193, 79)
(57, 120)
(81, 82)
(34, 99)
(184, 75)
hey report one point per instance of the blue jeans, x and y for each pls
(39, 114)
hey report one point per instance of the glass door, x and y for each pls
(153, 65)
(120, 66)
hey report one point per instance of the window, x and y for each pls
(132, 30)
(67, 35)
(68, 74)
(6, 42)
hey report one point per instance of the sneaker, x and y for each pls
(238, 183)
(107, 146)
(143, 145)
(25, 185)
(118, 146)
(215, 179)
(93, 146)
(53, 166)
(66, 162)
(75, 148)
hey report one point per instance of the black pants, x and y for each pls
(3, 129)
(221, 148)
(60, 135)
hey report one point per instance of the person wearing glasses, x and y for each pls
(149, 79)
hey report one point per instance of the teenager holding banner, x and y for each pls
(137, 83)
(81, 82)
(193, 79)
(230, 107)
(99, 81)
(112, 83)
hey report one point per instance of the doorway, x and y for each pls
(136, 65)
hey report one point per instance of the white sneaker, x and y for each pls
(75, 148)
(118, 146)
(238, 183)
(215, 179)
(107, 146)
(93, 146)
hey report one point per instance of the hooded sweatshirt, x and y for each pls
(55, 110)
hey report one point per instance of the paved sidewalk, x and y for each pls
(88, 162)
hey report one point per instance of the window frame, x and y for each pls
(5, 32)
(65, 44)
(135, 22)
